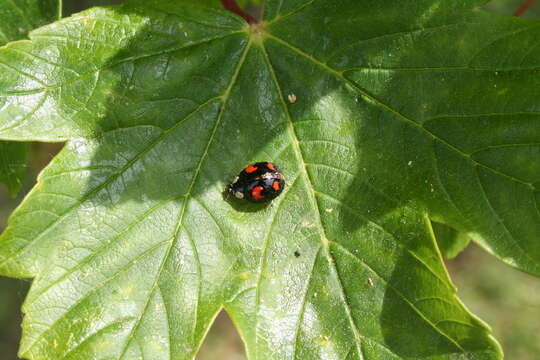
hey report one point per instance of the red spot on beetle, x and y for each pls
(271, 166)
(275, 185)
(250, 169)
(256, 193)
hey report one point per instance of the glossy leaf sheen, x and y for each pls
(17, 18)
(405, 112)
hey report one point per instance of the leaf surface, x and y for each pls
(404, 113)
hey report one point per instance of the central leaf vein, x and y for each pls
(311, 195)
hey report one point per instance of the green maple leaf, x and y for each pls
(405, 112)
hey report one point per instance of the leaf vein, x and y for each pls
(96, 289)
(304, 301)
(380, 227)
(400, 295)
(264, 256)
(179, 225)
(101, 250)
(502, 146)
(95, 334)
(107, 182)
(294, 11)
(113, 64)
(311, 195)
(500, 220)
(386, 107)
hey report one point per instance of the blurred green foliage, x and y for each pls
(222, 342)
(12, 293)
(507, 299)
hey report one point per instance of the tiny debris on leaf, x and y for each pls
(292, 98)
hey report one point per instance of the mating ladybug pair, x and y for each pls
(258, 182)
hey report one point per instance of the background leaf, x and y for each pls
(162, 105)
(12, 165)
(17, 18)
(507, 299)
(21, 16)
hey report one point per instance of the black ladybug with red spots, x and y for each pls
(258, 182)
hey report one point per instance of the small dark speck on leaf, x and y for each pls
(297, 253)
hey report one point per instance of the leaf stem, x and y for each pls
(232, 6)
(524, 7)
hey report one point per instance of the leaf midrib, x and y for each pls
(311, 195)
(324, 240)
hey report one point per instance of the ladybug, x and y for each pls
(258, 182)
